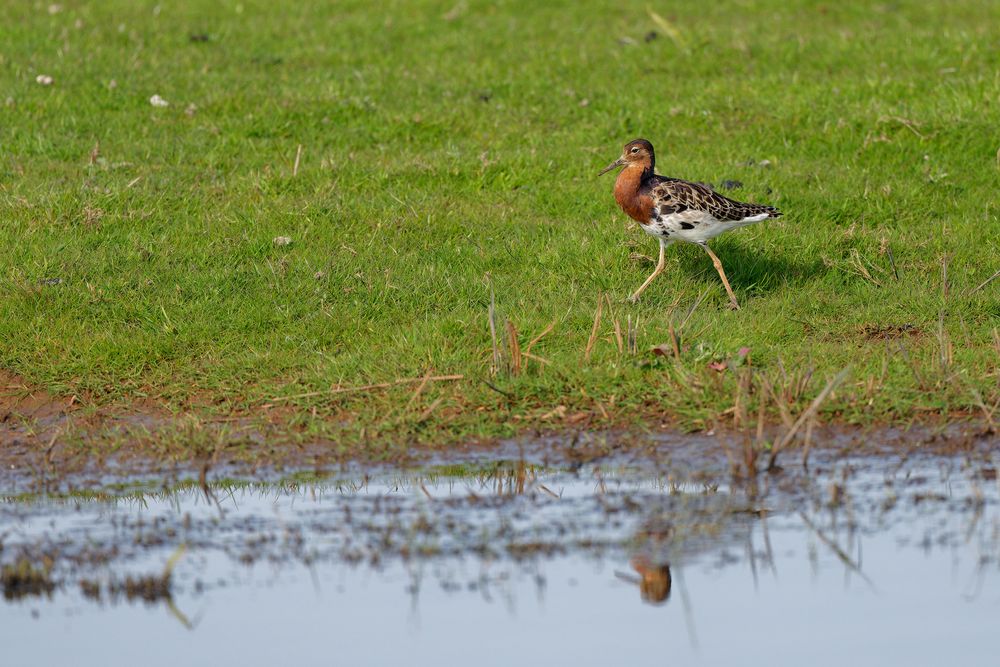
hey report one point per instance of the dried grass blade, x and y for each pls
(807, 414)
(597, 325)
(514, 347)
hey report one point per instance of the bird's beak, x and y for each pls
(617, 163)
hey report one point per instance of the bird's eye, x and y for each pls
(635, 149)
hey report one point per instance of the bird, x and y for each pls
(672, 209)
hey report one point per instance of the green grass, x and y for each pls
(450, 149)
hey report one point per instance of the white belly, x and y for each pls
(694, 226)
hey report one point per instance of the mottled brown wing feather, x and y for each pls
(673, 195)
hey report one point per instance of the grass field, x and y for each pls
(449, 151)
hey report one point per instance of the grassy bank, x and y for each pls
(424, 156)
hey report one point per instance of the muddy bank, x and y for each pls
(44, 439)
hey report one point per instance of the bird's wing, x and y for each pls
(673, 195)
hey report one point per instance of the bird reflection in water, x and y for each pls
(654, 579)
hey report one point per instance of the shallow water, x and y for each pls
(866, 560)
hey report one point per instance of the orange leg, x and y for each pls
(657, 271)
(733, 304)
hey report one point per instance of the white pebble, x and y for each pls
(158, 101)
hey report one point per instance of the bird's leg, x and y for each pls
(657, 271)
(733, 304)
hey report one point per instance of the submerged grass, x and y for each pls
(341, 197)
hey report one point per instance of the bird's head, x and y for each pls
(636, 152)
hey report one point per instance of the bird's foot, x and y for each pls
(733, 305)
(634, 298)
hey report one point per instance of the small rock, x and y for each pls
(158, 101)
(282, 240)
(51, 282)
(651, 35)
(319, 275)
(730, 184)
(44, 79)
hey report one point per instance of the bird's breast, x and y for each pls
(630, 198)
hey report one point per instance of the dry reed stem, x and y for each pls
(491, 314)
(983, 284)
(369, 387)
(862, 271)
(617, 325)
(946, 349)
(761, 412)
(808, 441)
(673, 341)
(548, 491)
(905, 122)
(840, 553)
(540, 336)
(987, 411)
(593, 332)
(175, 558)
(807, 414)
(298, 156)
(694, 307)
(514, 347)
(749, 457)
(733, 465)
(52, 445)
(786, 415)
(541, 360)
(784, 374)
(739, 409)
(425, 415)
(419, 390)
(944, 277)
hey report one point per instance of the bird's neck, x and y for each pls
(628, 191)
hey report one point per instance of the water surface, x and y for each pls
(866, 560)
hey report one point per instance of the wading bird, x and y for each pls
(674, 210)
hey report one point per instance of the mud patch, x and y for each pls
(876, 332)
